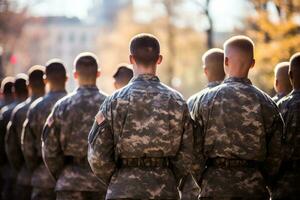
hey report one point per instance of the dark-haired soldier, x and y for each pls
(213, 61)
(288, 186)
(14, 129)
(141, 144)
(41, 181)
(9, 175)
(7, 91)
(242, 131)
(65, 135)
(122, 76)
(282, 84)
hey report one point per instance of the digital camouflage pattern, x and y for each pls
(239, 122)
(288, 185)
(145, 119)
(194, 98)
(37, 114)
(65, 141)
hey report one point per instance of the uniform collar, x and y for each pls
(145, 77)
(57, 92)
(240, 80)
(87, 87)
(213, 84)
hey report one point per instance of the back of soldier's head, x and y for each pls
(282, 84)
(35, 74)
(145, 49)
(56, 72)
(20, 85)
(294, 70)
(86, 65)
(123, 75)
(7, 86)
(240, 49)
(213, 64)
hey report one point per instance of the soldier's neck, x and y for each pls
(140, 70)
(56, 89)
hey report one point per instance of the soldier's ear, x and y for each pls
(159, 60)
(252, 63)
(75, 74)
(226, 61)
(132, 60)
(98, 74)
(291, 75)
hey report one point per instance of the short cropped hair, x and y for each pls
(86, 64)
(36, 74)
(242, 43)
(282, 74)
(123, 74)
(20, 85)
(145, 49)
(55, 71)
(213, 60)
(295, 62)
(7, 85)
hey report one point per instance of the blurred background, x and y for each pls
(34, 31)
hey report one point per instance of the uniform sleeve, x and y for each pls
(12, 145)
(2, 143)
(274, 126)
(101, 145)
(51, 149)
(27, 143)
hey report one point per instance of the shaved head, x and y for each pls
(282, 81)
(294, 70)
(213, 64)
(239, 55)
(86, 64)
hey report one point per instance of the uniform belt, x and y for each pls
(145, 162)
(232, 163)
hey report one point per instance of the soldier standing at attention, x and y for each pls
(7, 91)
(213, 65)
(8, 174)
(141, 144)
(242, 131)
(65, 135)
(15, 157)
(41, 181)
(123, 75)
(288, 186)
(282, 84)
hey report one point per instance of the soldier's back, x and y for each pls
(237, 119)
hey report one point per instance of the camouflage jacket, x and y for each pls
(65, 140)
(13, 141)
(238, 121)
(145, 119)
(277, 97)
(31, 138)
(290, 108)
(193, 98)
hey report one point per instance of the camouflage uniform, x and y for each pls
(277, 97)
(143, 145)
(192, 99)
(242, 132)
(41, 181)
(65, 144)
(288, 186)
(13, 148)
(8, 174)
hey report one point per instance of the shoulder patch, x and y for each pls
(99, 118)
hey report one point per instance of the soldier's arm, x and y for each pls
(51, 150)
(2, 143)
(12, 147)
(27, 144)
(101, 147)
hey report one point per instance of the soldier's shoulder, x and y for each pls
(288, 100)
(36, 104)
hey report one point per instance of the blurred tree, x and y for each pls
(275, 29)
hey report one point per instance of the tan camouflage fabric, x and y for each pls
(145, 119)
(238, 121)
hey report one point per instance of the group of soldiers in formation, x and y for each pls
(228, 141)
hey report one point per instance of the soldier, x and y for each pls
(213, 60)
(242, 130)
(123, 75)
(65, 135)
(8, 174)
(14, 129)
(41, 181)
(7, 91)
(141, 144)
(282, 84)
(288, 186)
